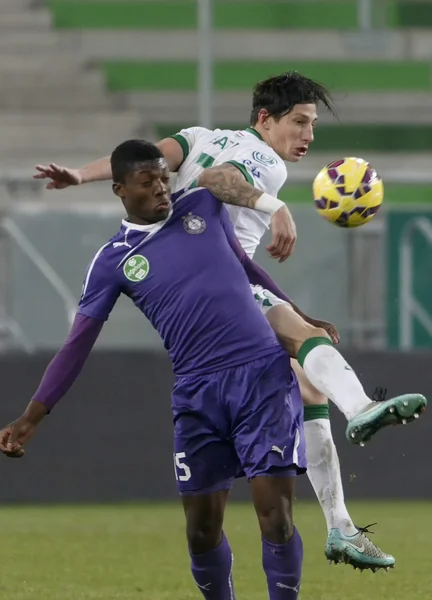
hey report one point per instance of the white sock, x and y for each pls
(324, 475)
(329, 372)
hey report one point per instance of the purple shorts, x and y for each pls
(245, 420)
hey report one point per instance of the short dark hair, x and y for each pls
(129, 155)
(281, 93)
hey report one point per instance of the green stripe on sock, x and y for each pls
(309, 345)
(316, 411)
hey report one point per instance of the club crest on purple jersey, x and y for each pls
(193, 224)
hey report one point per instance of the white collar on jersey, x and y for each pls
(255, 133)
(155, 227)
(152, 228)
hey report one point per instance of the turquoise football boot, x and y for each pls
(396, 411)
(357, 550)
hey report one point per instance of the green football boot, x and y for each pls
(357, 550)
(396, 411)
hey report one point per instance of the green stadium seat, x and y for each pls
(229, 14)
(143, 75)
(238, 76)
(413, 13)
(261, 14)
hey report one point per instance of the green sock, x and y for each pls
(309, 345)
(316, 411)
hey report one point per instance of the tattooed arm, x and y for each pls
(228, 184)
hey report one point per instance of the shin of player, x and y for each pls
(322, 457)
(282, 548)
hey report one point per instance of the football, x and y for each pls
(348, 192)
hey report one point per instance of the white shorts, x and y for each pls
(265, 299)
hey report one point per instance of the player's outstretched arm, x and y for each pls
(228, 184)
(57, 380)
(100, 170)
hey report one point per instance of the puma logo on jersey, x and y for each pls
(296, 588)
(205, 587)
(124, 242)
(279, 450)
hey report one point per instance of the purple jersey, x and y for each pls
(185, 278)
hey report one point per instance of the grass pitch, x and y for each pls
(138, 552)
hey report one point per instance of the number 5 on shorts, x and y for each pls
(181, 467)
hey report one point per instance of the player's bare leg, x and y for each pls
(211, 556)
(329, 373)
(345, 541)
(282, 545)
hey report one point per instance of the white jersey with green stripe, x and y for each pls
(260, 165)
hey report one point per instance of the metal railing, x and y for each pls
(32, 253)
(410, 307)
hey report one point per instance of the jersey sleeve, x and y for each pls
(188, 137)
(264, 171)
(67, 364)
(100, 290)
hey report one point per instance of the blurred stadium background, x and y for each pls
(78, 77)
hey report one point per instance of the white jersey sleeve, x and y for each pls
(188, 137)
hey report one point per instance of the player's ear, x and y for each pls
(263, 116)
(117, 188)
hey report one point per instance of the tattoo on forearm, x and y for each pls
(228, 185)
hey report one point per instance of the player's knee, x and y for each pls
(307, 332)
(203, 535)
(310, 331)
(276, 524)
(319, 332)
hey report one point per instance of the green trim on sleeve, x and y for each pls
(183, 143)
(242, 170)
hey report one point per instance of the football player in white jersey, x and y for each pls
(246, 170)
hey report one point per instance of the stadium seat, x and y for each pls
(125, 59)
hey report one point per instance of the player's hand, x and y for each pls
(61, 177)
(329, 327)
(15, 435)
(284, 234)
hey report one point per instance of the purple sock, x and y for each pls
(282, 565)
(212, 572)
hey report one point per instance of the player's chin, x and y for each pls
(294, 158)
(160, 214)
